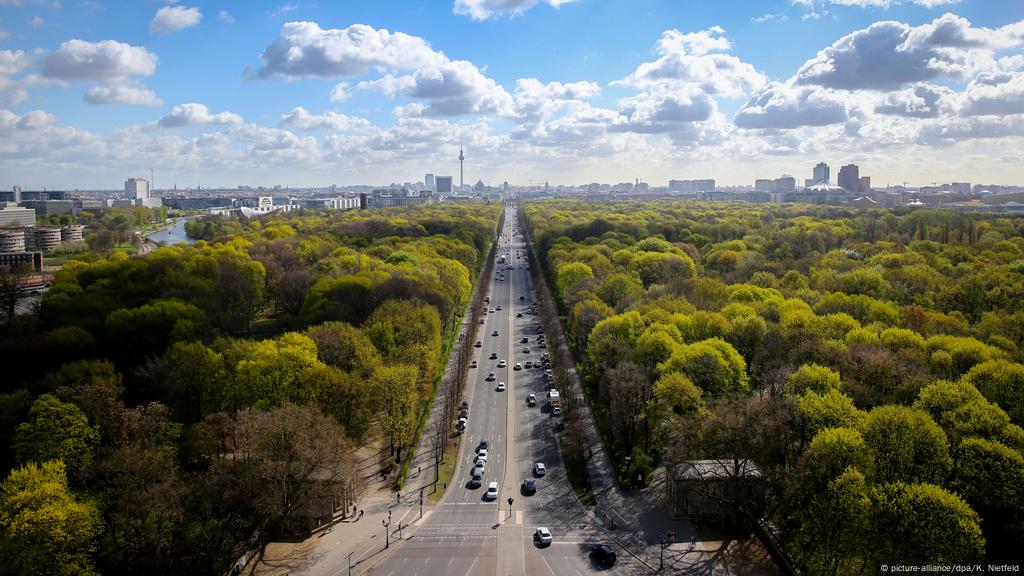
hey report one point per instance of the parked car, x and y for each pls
(518, 366)
(525, 340)
(529, 364)
(473, 364)
(483, 445)
(526, 350)
(529, 486)
(531, 400)
(539, 469)
(519, 315)
(478, 344)
(556, 411)
(544, 536)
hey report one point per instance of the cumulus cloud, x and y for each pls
(122, 94)
(171, 18)
(780, 105)
(226, 17)
(304, 49)
(659, 114)
(484, 9)
(879, 3)
(340, 92)
(994, 95)
(695, 60)
(194, 114)
(35, 120)
(925, 101)
(889, 55)
(300, 118)
(107, 61)
(451, 89)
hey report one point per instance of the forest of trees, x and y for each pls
(869, 362)
(163, 413)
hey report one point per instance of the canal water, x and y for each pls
(173, 235)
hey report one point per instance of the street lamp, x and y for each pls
(387, 531)
(664, 542)
(510, 501)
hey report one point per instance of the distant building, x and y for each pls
(707, 185)
(44, 207)
(963, 188)
(47, 238)
(762, 185)
(12, 240)
(783, 184)
(865, 184)
(444, 185)
(849, 178)
(385, 197)
(72, 233)
(864, 203)
(428, 181)
(136, 188)
(17, 216)
(821, 173)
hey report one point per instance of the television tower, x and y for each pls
(462, 183)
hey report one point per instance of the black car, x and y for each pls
(483, 445)
(604, 554)
(529, 486)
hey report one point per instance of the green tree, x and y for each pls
(907, 445)
(713, 365)
(1001, 382)
(55, 430)
(921, 524)
(831, 452)
(812, 377)
(990, 476)
(831, 537)
(572, 274)
(345, 347)
(194, 378)
(44, 528)
(619, 288)
(396, 390)
(832, 409)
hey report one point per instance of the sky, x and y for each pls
(221, 94)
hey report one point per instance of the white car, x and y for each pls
(544, 535)
(502, 364)
(492, 491)
(481, 455)
(518, 366)
(501, 386)
(539, 469)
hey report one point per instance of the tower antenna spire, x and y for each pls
(462, 183)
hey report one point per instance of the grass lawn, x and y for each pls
(445, 472)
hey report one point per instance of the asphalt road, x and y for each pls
(467, 534)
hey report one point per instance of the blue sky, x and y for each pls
(566, 91)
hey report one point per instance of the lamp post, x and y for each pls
(510, 501)
(628, 460)
(387, 531)
(664, 541)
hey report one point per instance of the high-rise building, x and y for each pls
(17, 194)
(707, 185)
(137, 188)
(428, 182)
(865, 184)
(444, 184)
(462, 183)
(961, 187)
(762, 185)
(784, 184)
(821, 173)
(849, 178)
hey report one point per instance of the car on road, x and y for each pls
(492, 311)
(525, 340)
(492, 491)
(526, 350)
(531, 399)
(529, 486)
(543, 536)
(519, 315)
(539, 469)
(556, 411)
(491, 377)
(498, 307)
(502, 364)
(481, 456)
(483, 320)
(604, 554)
(478, 344)
(473, 364)
(518, 366)
(501, 386)
(493, 356)
(495, 333)
(529, 364)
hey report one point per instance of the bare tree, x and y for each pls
(12, 289)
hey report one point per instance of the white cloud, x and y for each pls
(35, 120)
(889, 55)
(340, 92)
(878, 3)
(693, 60)
(924, 101)
(770, 17)
(14, 61)
(995, 95)
(107, 61)
(194, 114)
(171, 18)
(780, 105)
(452, 89)
(300, 118)
(304, 49)
(484, 9)
(659, 114)
(225, 16)
(37, 22)
(122, 94)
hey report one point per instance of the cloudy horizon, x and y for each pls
(916, 91)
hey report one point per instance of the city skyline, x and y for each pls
(579, 91)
